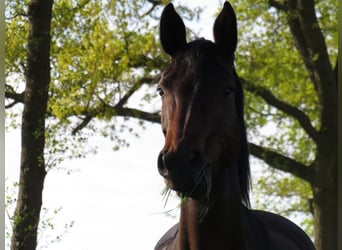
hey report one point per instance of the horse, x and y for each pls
(205, 155)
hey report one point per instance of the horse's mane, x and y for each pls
(244, 169)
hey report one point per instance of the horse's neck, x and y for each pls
(221, 225)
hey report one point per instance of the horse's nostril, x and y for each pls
(161, 165)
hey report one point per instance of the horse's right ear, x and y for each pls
(172, 31)
(225, 30)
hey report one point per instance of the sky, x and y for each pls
(112, 199)
(110, 196)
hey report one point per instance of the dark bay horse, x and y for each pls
(205, 156)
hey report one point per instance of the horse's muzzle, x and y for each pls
(185, 172)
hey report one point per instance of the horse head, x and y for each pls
(202, 112)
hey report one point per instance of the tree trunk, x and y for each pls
(32, 166)
(310, 43)
(325, 219)
(325, 207)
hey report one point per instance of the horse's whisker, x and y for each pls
(166, 192)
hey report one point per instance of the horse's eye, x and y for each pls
(160, 91)
(228, 91)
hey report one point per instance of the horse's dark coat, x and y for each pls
(205, 156)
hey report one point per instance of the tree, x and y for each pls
(35, 98)
(289, 70)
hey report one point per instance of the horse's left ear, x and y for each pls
(225, 30)
(172, 31)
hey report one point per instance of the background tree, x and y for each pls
(288, 61)
(35, 98)
(103, 52)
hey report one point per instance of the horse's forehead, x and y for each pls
(197, 66)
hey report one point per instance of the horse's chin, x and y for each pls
(198, 191)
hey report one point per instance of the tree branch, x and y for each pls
(18, 14)
(154, 5)
(281, 162)
(17, 97)
(83, 124)
(11, 104)
(116, 111)
(139, 114)
(11, 94)
(285, 107)
(133, 90)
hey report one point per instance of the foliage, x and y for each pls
(102, 53)
(283, 194)
(98, 58)
(49, 232)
